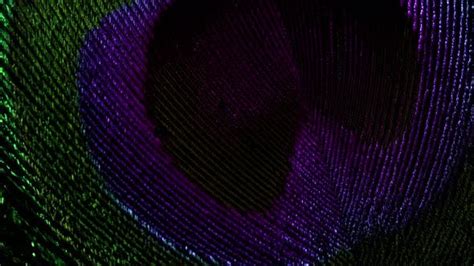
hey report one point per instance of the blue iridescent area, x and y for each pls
(349, 176)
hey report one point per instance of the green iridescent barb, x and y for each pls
(53, 195)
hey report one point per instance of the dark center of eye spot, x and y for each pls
(223, 98)
(357, 62)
